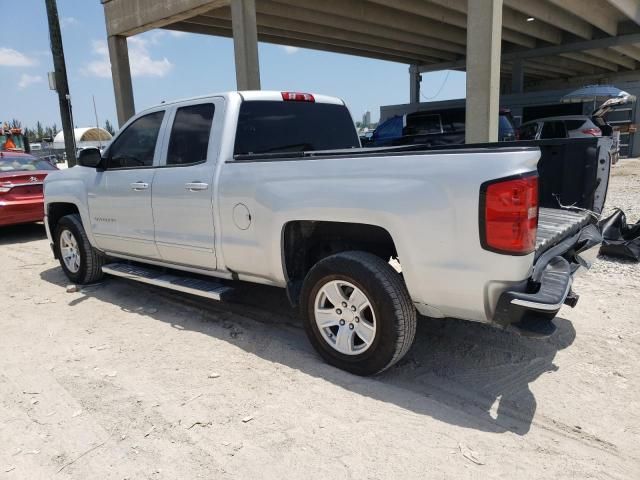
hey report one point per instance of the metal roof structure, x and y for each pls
(554, 38)
(537, 40)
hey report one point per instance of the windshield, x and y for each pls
(9, 141)
(23, 164)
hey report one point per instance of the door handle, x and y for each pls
(139, 186)
(196, 186)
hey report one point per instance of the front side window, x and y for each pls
(190, 133)
(528, 132)
(135, 147)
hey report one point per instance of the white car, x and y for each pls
(568, 126)
(274, 188)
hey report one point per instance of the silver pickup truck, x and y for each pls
(274, 188)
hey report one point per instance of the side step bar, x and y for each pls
(173, 281)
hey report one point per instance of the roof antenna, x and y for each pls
(95, 112)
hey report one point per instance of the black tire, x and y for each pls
(393, 308)
(91, 260)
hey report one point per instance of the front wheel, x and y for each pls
(80, 261)
(357, 312)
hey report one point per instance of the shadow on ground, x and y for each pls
(27, 232)
(459, 372)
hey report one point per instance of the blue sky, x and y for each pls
(167, 65)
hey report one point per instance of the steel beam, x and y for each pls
(484, 28)
(630, 8)
(121, 76)
(595, 12)
(516, 29)
(130, 17)
(405, 56)
(517, 77)
(362, 11)
(607, 42)
(414, 84)
(268, 37)
(552, 15)
(245, 44)
(295, 24)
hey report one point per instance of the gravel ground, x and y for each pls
(122, 380)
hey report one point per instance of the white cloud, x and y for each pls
(177, 34)
(26, 80)
(68, 21)
(13, 58)
(142, 65)
(290, 50)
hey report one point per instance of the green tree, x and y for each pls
(109, 128)
(39, 130)
(15, 123)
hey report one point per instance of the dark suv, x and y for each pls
(433, 128)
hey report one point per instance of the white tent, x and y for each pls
(85, 137)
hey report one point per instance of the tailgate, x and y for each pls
(554, 225)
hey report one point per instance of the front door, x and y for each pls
(120, 198)
(183, 187)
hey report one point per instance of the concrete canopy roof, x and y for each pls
(555, 39)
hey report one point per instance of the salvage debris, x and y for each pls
(469, 454)
(72, 288)
(620, 239)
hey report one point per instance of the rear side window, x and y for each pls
(135, 147)
(554, 129)
(190, 133)
(274, 126)
(421, 124)
(574, 124)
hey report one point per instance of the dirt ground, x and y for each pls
(122, 380)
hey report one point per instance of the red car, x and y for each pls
(21, 179)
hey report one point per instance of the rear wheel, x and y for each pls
(80, 262)
(357, 312)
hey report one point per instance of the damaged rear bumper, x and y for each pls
(531, 307)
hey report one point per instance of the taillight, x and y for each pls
(297, 97)
(509, 215)
(596, 132)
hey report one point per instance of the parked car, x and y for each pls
(568, 126)
(433, 128)
(21, 179)
(272, 188)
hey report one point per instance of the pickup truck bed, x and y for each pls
(555, 225)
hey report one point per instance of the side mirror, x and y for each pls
(90, 157)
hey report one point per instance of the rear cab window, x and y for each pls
(271, 126)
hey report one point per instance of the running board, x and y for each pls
(173, 281)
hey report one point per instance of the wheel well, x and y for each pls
(307, 242)
(56, 211)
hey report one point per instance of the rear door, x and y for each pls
(183, 189)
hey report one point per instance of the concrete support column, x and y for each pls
(414, 84)
(484, 34)
(517, 77)
(245, 44)
(121, 75)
